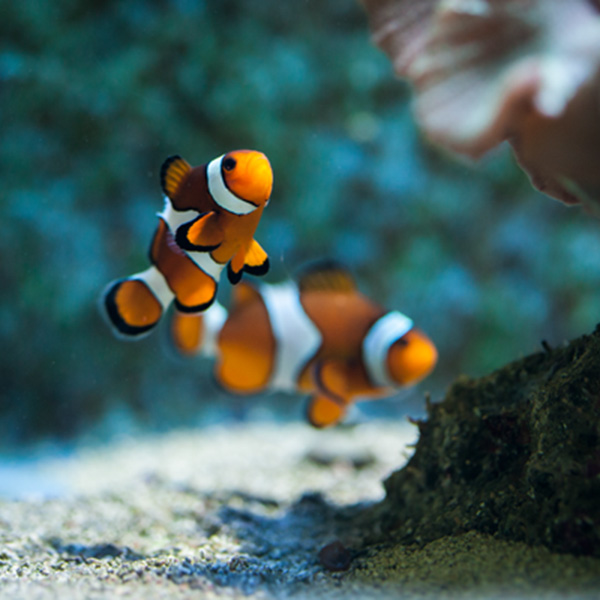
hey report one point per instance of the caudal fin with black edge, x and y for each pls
(131, 308)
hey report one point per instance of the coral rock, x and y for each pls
(515, 454)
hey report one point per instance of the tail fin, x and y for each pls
(197, 333)
(134, 305)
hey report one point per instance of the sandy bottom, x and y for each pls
(243, 511)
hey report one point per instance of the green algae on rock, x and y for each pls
(515, 454)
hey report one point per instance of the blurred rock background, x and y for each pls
(94, 96)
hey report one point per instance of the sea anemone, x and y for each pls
(485, 71)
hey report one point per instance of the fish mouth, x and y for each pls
(414, 359)
(252, 178)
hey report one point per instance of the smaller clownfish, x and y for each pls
(211, 213)
(320, 336)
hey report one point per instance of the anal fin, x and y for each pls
(197, 295)
(253, 260)
(186, 332)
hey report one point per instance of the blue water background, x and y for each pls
(94, 96)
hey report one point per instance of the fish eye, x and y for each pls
(229, 163)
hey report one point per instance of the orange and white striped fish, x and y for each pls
(320, 336)
(211, 213)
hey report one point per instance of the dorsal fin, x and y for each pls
(172, 173)
(326, 275)
(242, 294)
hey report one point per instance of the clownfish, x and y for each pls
(210, 215)
(319, 336)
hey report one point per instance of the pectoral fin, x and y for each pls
(235, 268)
(331, 378)
(328, 406)
(324, 411)
(256, 261)
(202, 234)
(253, 260)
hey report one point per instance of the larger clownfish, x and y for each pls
(320, 336)
(211, 213)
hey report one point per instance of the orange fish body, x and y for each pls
(211, 213)
(321, 337)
